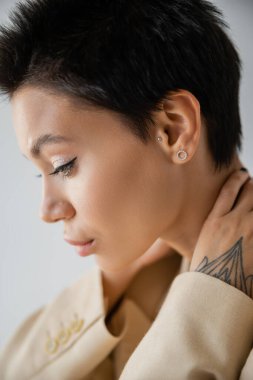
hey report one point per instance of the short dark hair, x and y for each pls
(126, 56)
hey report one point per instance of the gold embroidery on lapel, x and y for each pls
(63, 336)
(51, 345)
(76, 325)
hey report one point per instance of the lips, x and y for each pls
(86, 249)
(79, 243)
(83, 248)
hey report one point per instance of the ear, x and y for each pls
(179, 124)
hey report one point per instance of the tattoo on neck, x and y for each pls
(229, 268)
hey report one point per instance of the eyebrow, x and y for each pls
(47, 139)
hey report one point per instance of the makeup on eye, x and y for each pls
(66, 169)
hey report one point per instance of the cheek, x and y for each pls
(107, 196)
(123, 204)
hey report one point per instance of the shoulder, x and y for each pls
(52, 329)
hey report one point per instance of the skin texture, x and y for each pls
(108, 196)
(229, 267)
(138, 201)
(121, 192)
(225, 244)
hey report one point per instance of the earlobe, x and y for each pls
(181, 130)
(181, 154)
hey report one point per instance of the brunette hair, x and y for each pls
(126, 56)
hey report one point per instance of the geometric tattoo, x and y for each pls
(229, 268)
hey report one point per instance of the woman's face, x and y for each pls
(119, 189)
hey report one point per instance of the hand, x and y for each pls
(225, 246)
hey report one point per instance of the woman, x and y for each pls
(121, 107)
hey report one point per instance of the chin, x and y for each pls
(110, 266)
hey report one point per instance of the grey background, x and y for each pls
(35, 262)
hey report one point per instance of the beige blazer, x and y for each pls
(171, 324)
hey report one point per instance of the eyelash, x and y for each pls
(65, 169)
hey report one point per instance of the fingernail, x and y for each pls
(244, 169)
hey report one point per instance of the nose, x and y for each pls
(54, 210)
(51, 212)
(55, 205)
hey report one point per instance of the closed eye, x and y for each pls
(66, 169)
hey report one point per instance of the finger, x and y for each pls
(244, 201)
(228, 194)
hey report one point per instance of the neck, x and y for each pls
(202, 192)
